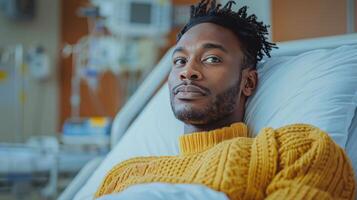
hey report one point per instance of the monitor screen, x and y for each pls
(140, 13)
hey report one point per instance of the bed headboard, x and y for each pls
(298, 46)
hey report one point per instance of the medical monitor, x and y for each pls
(137, 18)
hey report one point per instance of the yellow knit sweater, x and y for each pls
(293, 162)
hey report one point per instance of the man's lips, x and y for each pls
(190, 88)
(189, 92)
(189, 95)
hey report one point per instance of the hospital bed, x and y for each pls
(306, 81)
(36, 165)
(22, 164)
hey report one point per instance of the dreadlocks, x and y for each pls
(251, 33)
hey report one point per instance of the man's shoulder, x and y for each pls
(307, 131)
(296, 136)
(295, 140)
(298, 129)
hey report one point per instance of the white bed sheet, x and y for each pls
(163, 191)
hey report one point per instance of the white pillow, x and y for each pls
(316, 87)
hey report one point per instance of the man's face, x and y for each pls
(205, 78)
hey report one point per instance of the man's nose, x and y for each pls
(190, 73)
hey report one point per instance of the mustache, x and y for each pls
(174, 89)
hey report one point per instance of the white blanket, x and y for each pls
(164, 191)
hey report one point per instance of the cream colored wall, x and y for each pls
(41, 106)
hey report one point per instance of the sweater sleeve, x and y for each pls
(310, 166)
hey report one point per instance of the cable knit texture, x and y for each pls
(293, 162)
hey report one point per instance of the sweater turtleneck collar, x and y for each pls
(200, 141)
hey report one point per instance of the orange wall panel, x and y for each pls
(297, 19)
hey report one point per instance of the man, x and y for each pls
(212, 76)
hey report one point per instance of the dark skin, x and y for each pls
(208, 85)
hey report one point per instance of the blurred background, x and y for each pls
(68, 66)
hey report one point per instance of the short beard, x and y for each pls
(223, 105)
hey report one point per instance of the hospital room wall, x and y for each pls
(41, 100)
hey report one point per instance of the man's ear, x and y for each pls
(249, 81)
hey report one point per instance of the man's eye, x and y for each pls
(179, 61)
(212, 60)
